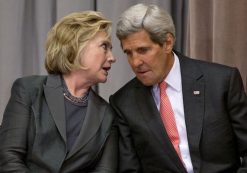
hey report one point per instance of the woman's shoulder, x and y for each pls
(29, 83)
(31, 79)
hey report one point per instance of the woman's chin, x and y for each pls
(103, 80)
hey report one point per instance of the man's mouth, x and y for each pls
(142, 71)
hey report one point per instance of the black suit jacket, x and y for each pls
(33, 131)
(216, 122)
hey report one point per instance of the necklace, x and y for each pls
(80, 101)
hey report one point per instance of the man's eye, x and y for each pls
(142, 50)
(128, 53)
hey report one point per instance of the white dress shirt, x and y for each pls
(175, 94)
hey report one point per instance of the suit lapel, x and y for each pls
(193, 97)
(55, 101)
(152, 117)
(95, 112)
(94, 116)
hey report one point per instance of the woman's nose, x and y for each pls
(110, 57)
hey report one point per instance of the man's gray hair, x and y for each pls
(156, 21)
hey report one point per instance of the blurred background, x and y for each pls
(209, 30)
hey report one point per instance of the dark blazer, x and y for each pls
(33, 132)
(216, 122)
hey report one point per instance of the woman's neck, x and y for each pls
(77, 85)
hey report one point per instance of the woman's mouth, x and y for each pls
(106, 69)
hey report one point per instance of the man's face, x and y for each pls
(150, 62)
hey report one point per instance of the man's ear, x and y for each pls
(169, 43)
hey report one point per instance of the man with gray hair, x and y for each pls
(178, 114)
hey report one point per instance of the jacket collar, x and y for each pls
(55, 100)
(95, 112)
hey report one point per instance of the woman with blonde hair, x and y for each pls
(57, 123)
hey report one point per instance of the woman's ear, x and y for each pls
(169, 43)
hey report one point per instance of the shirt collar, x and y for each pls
(173, 78)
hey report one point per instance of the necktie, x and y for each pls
(168, 118)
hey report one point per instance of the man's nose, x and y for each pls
(136, 60)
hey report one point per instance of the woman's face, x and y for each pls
(97, 57)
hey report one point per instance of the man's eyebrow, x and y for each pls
(142, 47)
(137, 48)
(126, 50)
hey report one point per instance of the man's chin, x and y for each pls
(145, 82)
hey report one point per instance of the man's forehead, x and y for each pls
(132, 47)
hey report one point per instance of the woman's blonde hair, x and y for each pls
(69, 36)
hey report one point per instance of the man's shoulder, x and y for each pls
(204, 65)
(214, 68)
(128, 88)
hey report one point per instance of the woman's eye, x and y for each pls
(106, 46)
